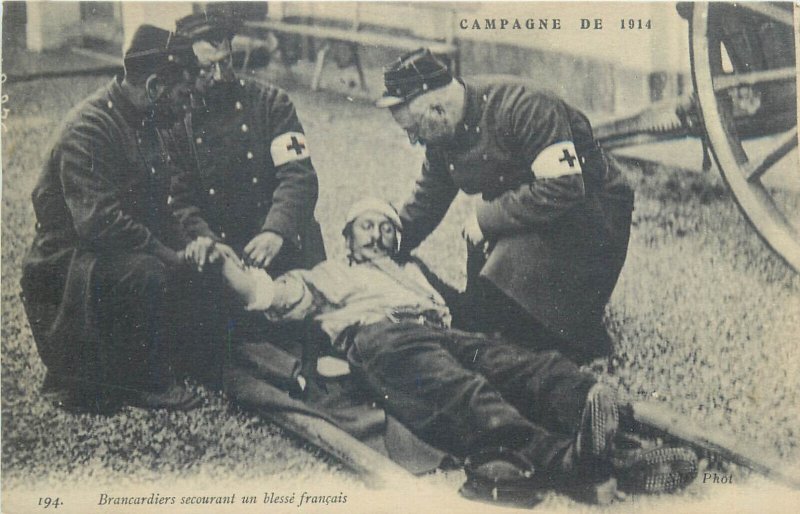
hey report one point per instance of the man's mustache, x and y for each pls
(378, 243)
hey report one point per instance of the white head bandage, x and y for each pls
(377, 205)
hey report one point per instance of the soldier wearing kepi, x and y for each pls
(254, 186)
(549, 236)
(97, 277)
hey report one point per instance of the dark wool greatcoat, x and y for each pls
(252, 173)
(102, 194)
(558, 217)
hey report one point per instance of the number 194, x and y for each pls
(48, 502)
(634, 24)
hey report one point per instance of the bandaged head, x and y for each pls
(358, 239)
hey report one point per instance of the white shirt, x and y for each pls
(339, 295)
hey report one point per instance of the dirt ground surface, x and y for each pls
(704, 319)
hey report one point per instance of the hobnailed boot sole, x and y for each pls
(660, 470)
(599, 423)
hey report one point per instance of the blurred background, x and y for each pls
(629, 68)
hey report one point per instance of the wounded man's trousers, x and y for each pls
(465, 392)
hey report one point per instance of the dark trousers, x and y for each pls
(101, 324)
(129, 301)
(487, 308)
(162, 323)
(127, 323)
(465, 392)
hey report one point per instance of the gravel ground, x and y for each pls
(703, 318)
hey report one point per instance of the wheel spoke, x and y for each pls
(722, 82)
(754, 199)
(768, 11)
(755, 170)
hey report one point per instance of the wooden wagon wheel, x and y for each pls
(749, 48)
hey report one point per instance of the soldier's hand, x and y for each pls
(260, 251)
(197, 251)
(472, 231)
(172, 258)
(222, 254)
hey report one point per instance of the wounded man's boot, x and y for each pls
(594, 457)
(653, 470)
(662, 469)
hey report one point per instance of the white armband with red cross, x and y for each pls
(289, 146)
(557, 160)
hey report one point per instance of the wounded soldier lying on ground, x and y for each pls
(521, 419)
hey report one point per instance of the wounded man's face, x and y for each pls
(373, 236)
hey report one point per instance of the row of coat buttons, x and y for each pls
(249, 154)
(452, 166)
(500, 178)
(199, 140)
(213, 191)
(244, 128)
(484, 157)
(477, 127)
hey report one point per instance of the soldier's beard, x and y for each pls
(435, 127)
(213, 92)
(165, 113)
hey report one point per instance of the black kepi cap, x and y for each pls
(155, 50)
(217, 21)
(411, 75)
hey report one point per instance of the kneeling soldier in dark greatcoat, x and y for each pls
(97, 278)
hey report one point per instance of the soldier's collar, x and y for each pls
(473, 108)
(473, 112)
(118, 101)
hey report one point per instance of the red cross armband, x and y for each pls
(289, 146)
(556, 160)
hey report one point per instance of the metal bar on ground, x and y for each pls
(675, 425)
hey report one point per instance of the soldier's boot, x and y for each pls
(599, 425)
(583, 470)
(657, 470)
(502, 476)
(644, 465)
(589, 455)
(79, 397)
(600, 451)
(589, 469)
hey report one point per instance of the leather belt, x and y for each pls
(427, 317)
